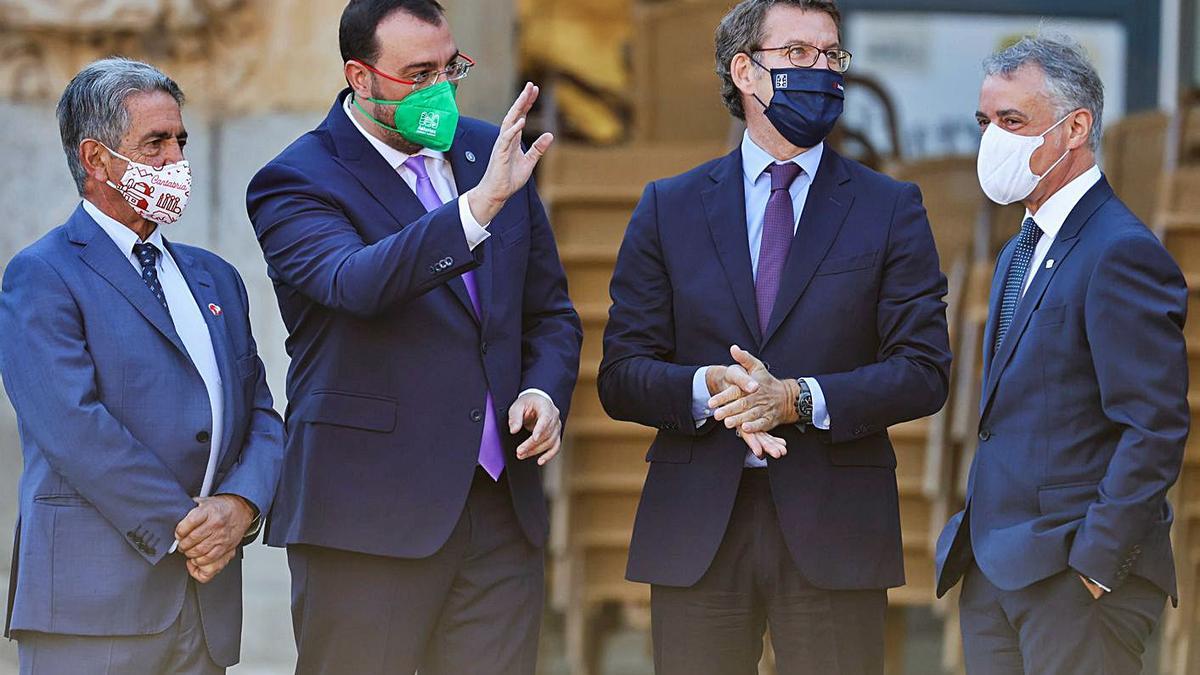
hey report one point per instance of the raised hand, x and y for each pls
(541, 417)
(509, 167)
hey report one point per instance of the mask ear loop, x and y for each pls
(1064, 155)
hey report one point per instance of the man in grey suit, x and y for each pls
(149, 440)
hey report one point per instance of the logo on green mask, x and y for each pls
(427, 117)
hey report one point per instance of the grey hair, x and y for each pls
(742, 30)
(93, 105)
(1071, 80)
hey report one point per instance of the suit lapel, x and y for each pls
(369, 168)
(989, 331)
(1063, 243)
(825, 210)
(725, 209)
(204, 291)
(102, 255)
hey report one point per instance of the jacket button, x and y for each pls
(203, 436)
(476, 415)
(984, 435)
(483, 347)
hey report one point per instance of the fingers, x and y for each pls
(752, 415)
(724, 397)
(745, 359)
(771, 445)
(196, 517)
(518, 108)
(755, 444)
(540, 439)
(551, 453)
(539, 147)
(737, 375)
(214, 554)
(206, 573)
(516, 416)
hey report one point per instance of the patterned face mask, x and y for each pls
(157, 194)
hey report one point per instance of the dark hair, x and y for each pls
(360, 19)
(742, 31)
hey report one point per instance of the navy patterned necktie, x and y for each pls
(1014, 279)
(147, 254)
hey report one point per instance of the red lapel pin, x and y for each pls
(214, 308)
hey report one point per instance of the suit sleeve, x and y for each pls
(551, 335)
(910, 377)
(310, 245)
(1134, 311)
(256, 473)
(42, 332)
(639, 382)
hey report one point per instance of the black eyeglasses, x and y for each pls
(806, 56)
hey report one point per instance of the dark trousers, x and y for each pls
(179, 650)
(717, 625)
(1056, 627)
(475, 606)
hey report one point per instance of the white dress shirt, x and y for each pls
(757, 183)
(441, 175)
(1051, 216)
(189, 324)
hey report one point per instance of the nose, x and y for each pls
(172, 153)
(822, 61)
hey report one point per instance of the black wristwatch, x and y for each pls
(804, 404)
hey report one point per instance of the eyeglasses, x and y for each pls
(805, 56)
(457, 70)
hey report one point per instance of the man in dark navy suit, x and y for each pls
(811, 285)
(1064, 545)
(434, 352)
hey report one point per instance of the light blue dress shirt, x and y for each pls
(757, 184)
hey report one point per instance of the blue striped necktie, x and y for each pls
(1014, 279)
(147, 254)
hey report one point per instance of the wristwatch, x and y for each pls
(804, 404)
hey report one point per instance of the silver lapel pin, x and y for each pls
(1049, 264)
(470, 156)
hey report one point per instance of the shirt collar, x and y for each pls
(755, 160)
(394, 157)
(122, 236)
(1051, 216)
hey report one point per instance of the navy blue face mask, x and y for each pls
(806, 104)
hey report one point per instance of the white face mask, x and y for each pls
(159, 195)
(1003, 164)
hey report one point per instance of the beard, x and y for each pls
(384, 112)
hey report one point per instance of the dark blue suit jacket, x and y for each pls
(1084, 413)
(859, 308)
(115, 423)
(390, 365)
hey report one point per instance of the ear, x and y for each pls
(1079, 128)
(745, 73)
(359, 78)
(94, 158)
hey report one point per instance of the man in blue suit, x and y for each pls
(1064, 546)
(821, 277)
(149, 440)
(429, 326)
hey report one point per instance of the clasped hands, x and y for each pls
(211, 532)
(746, 397)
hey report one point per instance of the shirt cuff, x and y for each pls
(700, 396)
(475, 233)
(820, 413)
(539, 392)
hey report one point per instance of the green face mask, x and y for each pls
(427, 117)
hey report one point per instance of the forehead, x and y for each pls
(405, 40)
(153, 112)
(787, 24)
(1024, 89)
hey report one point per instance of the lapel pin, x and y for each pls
(470, 156)
(214, 308)
(1050, 263)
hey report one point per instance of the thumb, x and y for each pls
(515, 416)
(744, 358)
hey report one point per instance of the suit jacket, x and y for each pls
(1084, 413)
(390, 365)
(115, 423)
(859, 308)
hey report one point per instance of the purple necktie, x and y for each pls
(779, 228)
(491, 456)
